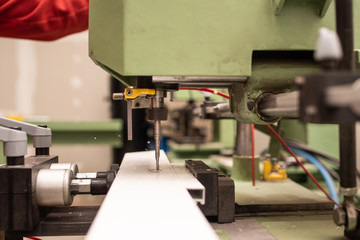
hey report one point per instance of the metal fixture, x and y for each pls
(15, 145)
(41, 134)
(53, 187)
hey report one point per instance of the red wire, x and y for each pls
(208, 90)
(253, 154)
(278, 137)
(303, 167)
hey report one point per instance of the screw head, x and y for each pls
(129, 92)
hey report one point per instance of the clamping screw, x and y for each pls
(129, 92)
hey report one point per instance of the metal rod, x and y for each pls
(345, 30)
(199, 79)
(157, 125)
(280, 105)
(80, 186)
(344, 27)
(129, 121)
(243, 139)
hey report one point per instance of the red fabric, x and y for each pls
(42, 19)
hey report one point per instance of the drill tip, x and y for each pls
(157, 155)
(157, 143)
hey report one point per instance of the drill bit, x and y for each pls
(157, 142)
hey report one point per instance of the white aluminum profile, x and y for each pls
(190, 183)
(143, 203)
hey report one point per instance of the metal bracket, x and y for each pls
(133, 93)
(41, 135)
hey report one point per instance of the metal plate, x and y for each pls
(147, 204)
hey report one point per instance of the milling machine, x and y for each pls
(261, 51)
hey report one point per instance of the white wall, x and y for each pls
(57, 81)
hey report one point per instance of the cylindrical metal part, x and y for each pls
(118, 96)
(42, 141)
(86, 175)
(279, 105)
(72, 166)
(209, 80)
(345, 30)
(53, 187)
(80, 186)
(243, 145)
(159, 99)
(347, 155)
(129, 121)
(15, 149)
(222, 107)
(157, 137)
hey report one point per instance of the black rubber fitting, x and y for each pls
(98, 186)
(42, 151)
(156, 114)
(12, 161)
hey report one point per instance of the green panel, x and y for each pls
(275, 193)
(83, 126)
(324, 137)
(294, 130)
(203, 37)
(86, 132)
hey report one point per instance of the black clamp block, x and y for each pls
(219, 194)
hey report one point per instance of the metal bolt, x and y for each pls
(129, 92)
(339, 217)
(118, 96)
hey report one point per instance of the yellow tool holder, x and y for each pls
(133, 93)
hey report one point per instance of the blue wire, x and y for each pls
(325, 174)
